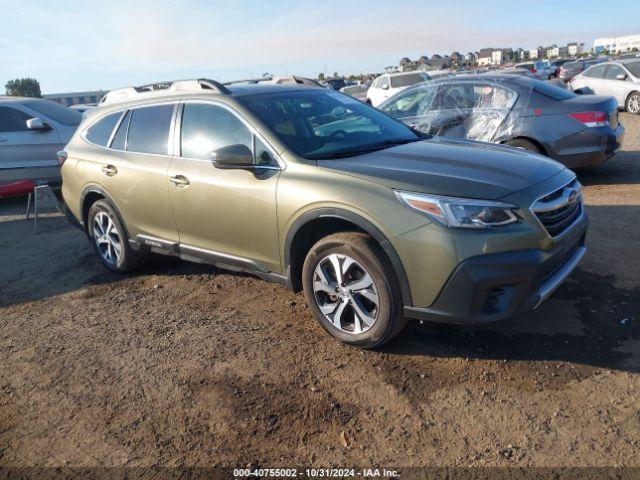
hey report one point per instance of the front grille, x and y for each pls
(558, 210)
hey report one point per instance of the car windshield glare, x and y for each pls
(322, 124)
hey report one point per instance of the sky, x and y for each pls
(73, 45)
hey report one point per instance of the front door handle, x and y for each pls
(180, 180)
(109, 170)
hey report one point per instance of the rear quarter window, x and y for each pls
(100, 132)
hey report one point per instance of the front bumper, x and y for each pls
(495, 286)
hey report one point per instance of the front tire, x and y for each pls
(352, 291)
(632, 105)
(110, 240)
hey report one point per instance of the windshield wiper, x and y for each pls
(364, 149)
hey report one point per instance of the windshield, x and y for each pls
(406, 80)
(323, 124)
(55, 111)
(634, 68)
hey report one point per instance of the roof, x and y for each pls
(7, 98)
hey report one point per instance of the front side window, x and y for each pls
(55, 111)
(206, 128)
(634, 68)
(100, 132)
(409, 103)
(612, 72)
(322, 124)
(13, 120)
(149, 129)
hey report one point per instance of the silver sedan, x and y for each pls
(619, 79)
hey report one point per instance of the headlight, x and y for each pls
(460, 212)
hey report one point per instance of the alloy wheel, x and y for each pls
(107, 238)
(634, 103)
(345, 293)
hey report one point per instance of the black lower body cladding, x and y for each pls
(492, 287)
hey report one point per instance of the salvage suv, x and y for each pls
(310, 188)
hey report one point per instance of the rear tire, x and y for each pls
(110, 239)
(360, 306)
(524, 144)
(632, 105)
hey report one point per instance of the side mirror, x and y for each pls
(36, 123)
(236, 157)
(621, 76)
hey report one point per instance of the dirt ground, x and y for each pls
(186, 365)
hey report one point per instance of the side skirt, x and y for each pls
(210, 257)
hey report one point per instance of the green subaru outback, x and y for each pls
(310, 188)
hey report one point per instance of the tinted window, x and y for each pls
(634, 68)
(406, 80)
(120, 138)
(205, 128)
(100, 132)
(149, 130)
(324, 124)
(596, 72)
(55, 111)
(613, 71)
(13, 120)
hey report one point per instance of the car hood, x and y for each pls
(442, 166)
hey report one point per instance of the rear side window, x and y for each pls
(120, 138)
(596, 72)
(100, 132)
(149, 130)
(205, 128)
(634, 68)
(55, 111)
(13, 120)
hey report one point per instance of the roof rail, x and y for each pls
(162, 88)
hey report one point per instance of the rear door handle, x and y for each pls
(109, 170)
(180, 180)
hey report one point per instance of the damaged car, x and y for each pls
(576, 130)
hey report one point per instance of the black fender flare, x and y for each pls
(360, 222)
(99, 190)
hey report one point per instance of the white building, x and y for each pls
(616, 44)
(574, 49)
(552, 52)
(535, 53)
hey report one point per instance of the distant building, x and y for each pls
(438, 63)
(456, 58)
(574, 49)
(75, 98)
(485, 57)
(616, 44)
(552, 52)
(471, 58)
(536, 53)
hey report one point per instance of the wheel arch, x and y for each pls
(303, 233)
(626, 100)
(88, 197)
(537, 143)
